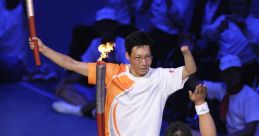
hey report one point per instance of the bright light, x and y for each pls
(104, 49)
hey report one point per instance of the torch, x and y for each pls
(100, 87)
(30, 14)
(100, 96)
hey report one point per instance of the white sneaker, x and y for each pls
(67, 108)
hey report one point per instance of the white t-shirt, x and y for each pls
(233, 41)
(126, 9)
(134, 105)
(183, 9)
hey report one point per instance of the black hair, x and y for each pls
(248, 2)
(137, 38)
(11, 4)
(178, 129)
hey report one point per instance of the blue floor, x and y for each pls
(25, 110)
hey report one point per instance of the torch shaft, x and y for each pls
(32, 30)
(100, 96)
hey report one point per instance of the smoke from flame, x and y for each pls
(104, 49)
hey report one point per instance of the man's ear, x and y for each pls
(127, 55)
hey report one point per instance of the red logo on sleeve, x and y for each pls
(171, 70)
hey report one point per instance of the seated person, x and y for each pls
(80, 98)
(238, 109)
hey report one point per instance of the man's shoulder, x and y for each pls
(166, 71)
(249, 92)
(115, 66)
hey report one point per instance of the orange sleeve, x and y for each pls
(92, 73)
(111, 70)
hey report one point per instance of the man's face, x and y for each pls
(232, 77)
(140, 60)
(106, 28)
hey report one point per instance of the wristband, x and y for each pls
(202, 109)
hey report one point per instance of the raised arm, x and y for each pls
(61, 59)
(190, 66)
(206, 123)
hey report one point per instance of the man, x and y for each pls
(136, 94)
(206, 123)
(239, 102)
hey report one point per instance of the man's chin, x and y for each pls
(143, 73)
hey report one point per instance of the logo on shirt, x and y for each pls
(171, 70)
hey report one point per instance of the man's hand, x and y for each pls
(185, 42)
(199, 95)
(40, 43)
(185, 49)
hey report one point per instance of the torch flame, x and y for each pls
(104, 49)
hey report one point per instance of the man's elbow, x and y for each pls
(191, 70)
(194, 70)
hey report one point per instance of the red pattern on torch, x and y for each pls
(30, 14)
(100, 96)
